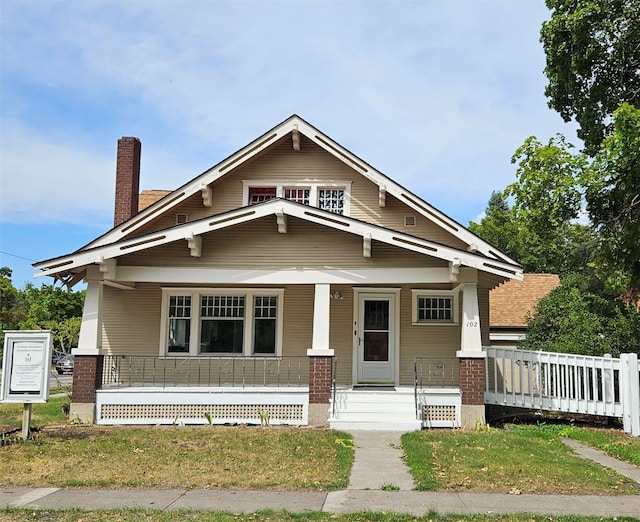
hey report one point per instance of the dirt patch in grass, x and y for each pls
(178, 456)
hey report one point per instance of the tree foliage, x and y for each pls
(613, 196)
(47, 307)
(567, 250)
(582, 316)
(593, 62)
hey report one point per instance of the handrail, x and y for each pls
(334, 367)
(204, 371)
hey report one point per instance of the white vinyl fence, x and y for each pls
(565, 382)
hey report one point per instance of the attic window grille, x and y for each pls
(409, 221)
(260, 194)
(297, 195)
(331, 200)
(181, 219)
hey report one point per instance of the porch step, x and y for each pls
(371, 409)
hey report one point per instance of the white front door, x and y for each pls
(376, 338)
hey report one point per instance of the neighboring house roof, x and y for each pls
(511, 302)
(149, 197)
(295, 125)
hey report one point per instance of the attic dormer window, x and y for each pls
(327, 195)
(260, 194)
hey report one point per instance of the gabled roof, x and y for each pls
(279, 209)
(511, 302)
(295, 124)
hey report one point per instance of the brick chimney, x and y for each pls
(127, 179)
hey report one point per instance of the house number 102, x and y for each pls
(472, 324)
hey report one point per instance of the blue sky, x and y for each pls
(435, 94)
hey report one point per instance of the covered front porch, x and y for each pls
(268, 390)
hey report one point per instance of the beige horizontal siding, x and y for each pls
(259, 245)
(131, 320)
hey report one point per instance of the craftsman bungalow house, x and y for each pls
(290, 283)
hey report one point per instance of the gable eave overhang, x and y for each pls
(73, 263)
(266, 140)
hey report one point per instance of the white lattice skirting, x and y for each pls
(201, 406)
(440, 408)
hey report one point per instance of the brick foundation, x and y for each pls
(87, 378)
(320, 368)
(472, 381)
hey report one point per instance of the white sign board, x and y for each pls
(26, 366)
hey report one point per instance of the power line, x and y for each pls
(19, 257)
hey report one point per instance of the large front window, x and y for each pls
(222, 321)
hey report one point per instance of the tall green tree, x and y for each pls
(593, 62)
(582, 316)
(613, 199)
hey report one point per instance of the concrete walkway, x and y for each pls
(377, 464)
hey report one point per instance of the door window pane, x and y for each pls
(376, 346)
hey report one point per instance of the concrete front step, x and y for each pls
(373, 409)
(344, 425)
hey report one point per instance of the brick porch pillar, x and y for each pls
(320, 373)
(472, 386)
(87, 378)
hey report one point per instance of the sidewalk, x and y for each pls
(377, 463)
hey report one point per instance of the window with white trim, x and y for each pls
(332, 197)
(434, 307)
(331, 200)
(222, 321)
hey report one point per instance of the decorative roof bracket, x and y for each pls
(366, 245)
(295, 136)
(195, 245)
(382, 196)
(207, 195)
(108, 268)
(454, 269)
(281, 219)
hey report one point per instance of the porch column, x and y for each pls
(87, 370)
(472, 359)
(320, 358)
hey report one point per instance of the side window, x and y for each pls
(434, 307)
(265, 313)
(179, 323)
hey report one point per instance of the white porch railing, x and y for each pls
(565, 382)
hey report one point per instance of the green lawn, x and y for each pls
(518, 459)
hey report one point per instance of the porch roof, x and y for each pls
(73, 265)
